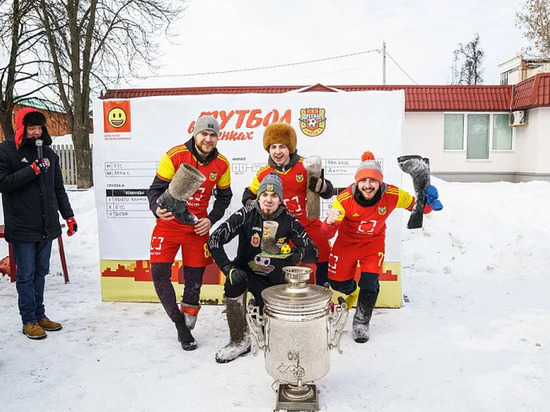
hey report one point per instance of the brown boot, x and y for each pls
(34, 331)
(49, 325)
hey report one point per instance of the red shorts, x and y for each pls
(167, 239)
(314, 232)
(342, 264)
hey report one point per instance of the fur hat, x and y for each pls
(280, 133)
(369, 167)
(29, 116)
(272, 183)
(206, 123)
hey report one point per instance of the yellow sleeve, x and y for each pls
(225, 180)
(255, 185)
(166, 169)
(338, 205)
(405, 200)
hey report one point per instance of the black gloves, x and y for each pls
(316, 183)
(234, 275)
(294, 257)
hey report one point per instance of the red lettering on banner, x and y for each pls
(240, 120)
(254, 120)
(250, 119)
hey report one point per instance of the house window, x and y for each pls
(473, 132)
(454, 132)
(477, 146)
(502, 133)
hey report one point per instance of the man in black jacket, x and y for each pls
(249, 270)
(32, 194)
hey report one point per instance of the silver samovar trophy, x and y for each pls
(294, 332)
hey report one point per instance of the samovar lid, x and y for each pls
(296, 296)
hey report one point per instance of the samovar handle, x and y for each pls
(255, 324)
(338, 322)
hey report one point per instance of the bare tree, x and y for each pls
(92, 43)
(470, 57)
(19, 79)
(534, 19)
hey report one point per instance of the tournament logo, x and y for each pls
(255, 240)
(213, 176)
(300, 178)
(312, 121)
(382, 210)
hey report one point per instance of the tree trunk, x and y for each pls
(6, 111)
(83, 153)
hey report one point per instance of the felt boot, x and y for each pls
(363, 313)
(190, 313)
(239, 342)
(184, 184)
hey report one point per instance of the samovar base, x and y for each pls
(297, 398)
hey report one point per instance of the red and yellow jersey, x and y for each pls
(358, 222)
(294, 188)
(217, 173)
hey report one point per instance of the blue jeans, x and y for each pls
(33, 263)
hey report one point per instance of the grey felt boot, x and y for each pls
(239, 342)
(184, 184)
(363, 314)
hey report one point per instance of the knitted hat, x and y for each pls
(280, 133)
(206, 123)
(272, 183)
(369, 167)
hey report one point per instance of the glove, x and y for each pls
(40, 165)
(294, 257)
(72, 226)
(316, 183)
(432, 198)
(235, 275)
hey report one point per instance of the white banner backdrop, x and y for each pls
(130, 137)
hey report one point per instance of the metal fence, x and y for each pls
(67, 162)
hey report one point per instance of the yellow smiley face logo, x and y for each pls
(117, 117)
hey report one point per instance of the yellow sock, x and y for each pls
(351, 299)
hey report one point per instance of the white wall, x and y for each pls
(423, 134)
(533, 143)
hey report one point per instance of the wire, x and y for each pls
(400, 68)
(264, 67)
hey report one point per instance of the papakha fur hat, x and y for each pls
(277, 133)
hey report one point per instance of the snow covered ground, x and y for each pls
(473, 334)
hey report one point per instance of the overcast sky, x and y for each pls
(420, 36)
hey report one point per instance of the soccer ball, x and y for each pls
(285, 249)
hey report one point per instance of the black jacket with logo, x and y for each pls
(247, 223)
(31, 202)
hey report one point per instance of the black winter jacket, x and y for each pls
(31, 201)
(247, 223)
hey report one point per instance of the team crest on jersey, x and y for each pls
(213, 176)
(300, 178)
(382, 210)
(312, 121)
(255, 240)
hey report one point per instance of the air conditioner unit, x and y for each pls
(517, 118)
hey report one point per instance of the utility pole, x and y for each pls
(383, 62)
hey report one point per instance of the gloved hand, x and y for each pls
(316, 183)
(294, 257)
(40, 165)
(234, 275)
(432, 197)
(72, 226)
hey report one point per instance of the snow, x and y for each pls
(472, 334)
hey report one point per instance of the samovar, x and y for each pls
(296, 331)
